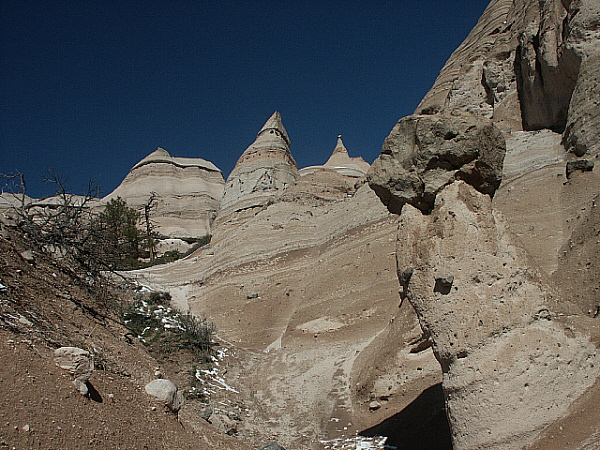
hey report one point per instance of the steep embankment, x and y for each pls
(44, 305)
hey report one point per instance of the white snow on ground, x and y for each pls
(356, 443)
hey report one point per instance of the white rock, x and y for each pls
(77, 361)
(166, 392)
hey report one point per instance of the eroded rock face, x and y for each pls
(188, 192)
(423, 154)
(263, 171)
(528, 65)
(509, 368)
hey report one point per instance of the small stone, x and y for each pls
(582, 165)
(252, 295)
(207, 413)
(27, 255)
(81, 386)
(24, 321)
(374, 405)
(26, 428)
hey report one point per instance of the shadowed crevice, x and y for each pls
(422, 425)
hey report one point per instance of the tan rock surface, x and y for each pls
(528, 65)
(509, 369)
(189, 193)
(306, 286)
(262, 173)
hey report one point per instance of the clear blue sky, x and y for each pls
(88, 88)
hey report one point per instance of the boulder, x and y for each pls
(77, 361)
(423, 154)
(166, 392)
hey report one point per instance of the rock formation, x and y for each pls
(189, 192)
(489, 270)
(528, 66)
(341, 162)
(423, 154)
(263, 171)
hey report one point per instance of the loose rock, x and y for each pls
(166, 392)
(582, 165)
(76, 360)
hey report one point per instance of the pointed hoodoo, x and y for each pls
(341, 162)
(340, 147)
(263, 171)
(274, 123)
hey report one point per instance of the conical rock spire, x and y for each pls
(341, 162)
(340, 147)
(274, 123)
(263, 171)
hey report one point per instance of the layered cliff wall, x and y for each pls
(503, 280)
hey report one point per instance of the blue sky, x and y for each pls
(89, 88)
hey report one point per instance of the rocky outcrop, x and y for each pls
(189, 192)
(528, 65)
(423, 154)
(262, 173)
(341, 162)
(509, 368)
(481, 271)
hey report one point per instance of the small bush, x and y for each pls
(197, 335)
(150, 318)
(159, 298)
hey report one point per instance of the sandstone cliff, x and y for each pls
(502, 278)
(189, 192)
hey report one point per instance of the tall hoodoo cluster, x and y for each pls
(263, 171)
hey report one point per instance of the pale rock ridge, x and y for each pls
(161, 155)
(528, 65)
(341, 162)
(189, 192)
(262, 173)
